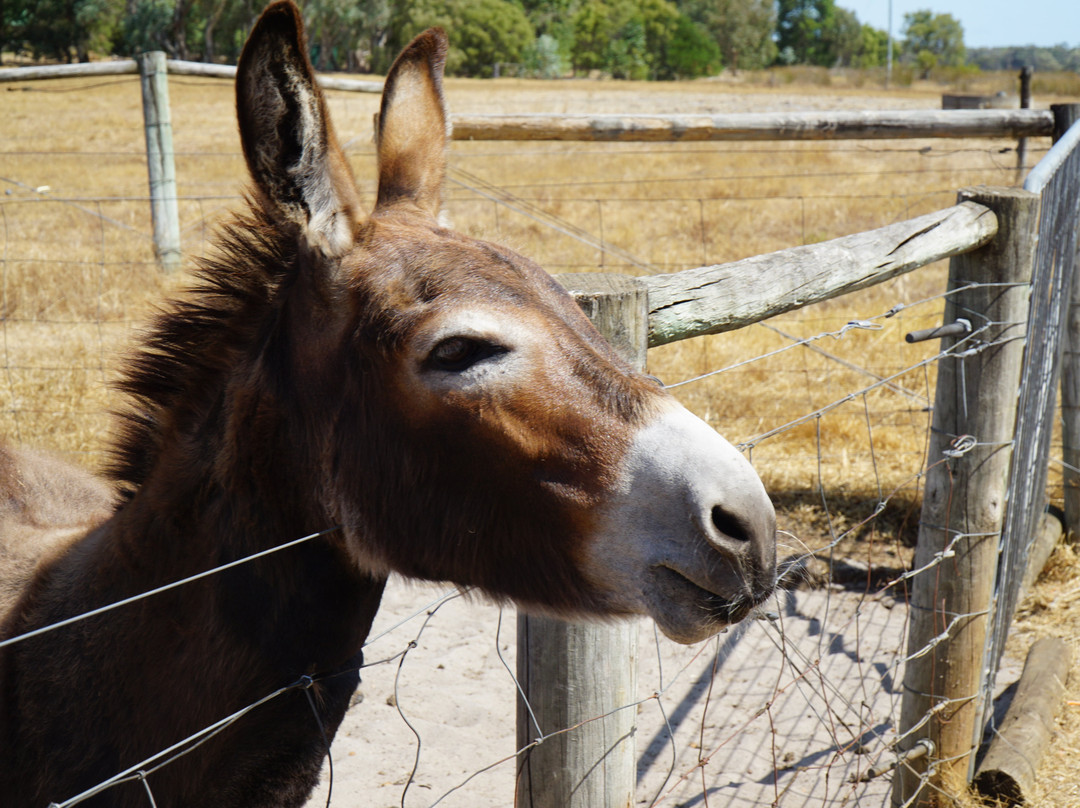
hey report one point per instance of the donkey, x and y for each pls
(410, 400)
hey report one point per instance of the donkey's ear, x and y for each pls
(412, 129)
(289, 144)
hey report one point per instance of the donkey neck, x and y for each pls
(213, 498)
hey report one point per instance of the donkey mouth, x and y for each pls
(687, 612)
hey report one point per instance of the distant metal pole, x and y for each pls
(888, 52)
(159, 158)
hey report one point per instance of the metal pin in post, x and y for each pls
(960, 328)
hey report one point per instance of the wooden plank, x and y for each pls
(185, 68)
(177, 66)
(963, 504)
(571, 673)
(349, 85)
(325, 81)
(117, 68)
(843, 125)
(709, 300)
(1007, 773)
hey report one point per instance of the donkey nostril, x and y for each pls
(731, 526)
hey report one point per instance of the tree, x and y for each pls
(553, 18)
(144, 27)
(933, 39)
(873, 47)
(343, 34)
(691, 52)
(62, 29)
(660, 20)
(809, 28)
(1043, 59)
(483, 32)
(544, 58)
(593, 28)
(743, 29)
(627, 38)
(841, 40)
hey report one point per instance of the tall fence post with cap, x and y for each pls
(160, 163)
(964, 500)
(583, 675)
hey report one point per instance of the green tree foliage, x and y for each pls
(819, 32)
(933, 39)
(553, 18)
(343, 34)
(1056, 57)
(843, 37)
(809, 28)
(483, 32)
(743, 29)
(691, 52)
(634, 39)
(65, 30)
(544, 58)
(626, 38)
(873, 47)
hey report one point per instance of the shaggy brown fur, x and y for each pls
(269, 404)
(433, 405)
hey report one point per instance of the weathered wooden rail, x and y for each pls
(713, 299)
(121, 67)
(753, 126)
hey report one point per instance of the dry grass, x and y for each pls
(78, 273)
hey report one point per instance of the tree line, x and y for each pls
(1043, 60)
(633, 39)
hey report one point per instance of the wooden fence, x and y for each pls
(989, 235)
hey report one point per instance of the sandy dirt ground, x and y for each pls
(788, 711)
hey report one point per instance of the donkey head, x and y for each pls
(467, 420)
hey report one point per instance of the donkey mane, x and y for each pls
(380, 395)
(192, 344)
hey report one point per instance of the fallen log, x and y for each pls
(1007, 773)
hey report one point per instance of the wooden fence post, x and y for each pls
(963, 504)
(159, 158)
(1065, 115)
(573, 673)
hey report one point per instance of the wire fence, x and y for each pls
(799, 705)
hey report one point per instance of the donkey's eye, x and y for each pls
(456, 354)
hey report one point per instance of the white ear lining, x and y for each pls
(328, 226)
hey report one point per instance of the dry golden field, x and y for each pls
(829, 439)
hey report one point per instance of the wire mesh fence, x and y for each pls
(798, 705)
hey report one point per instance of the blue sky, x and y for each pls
(987, 23)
